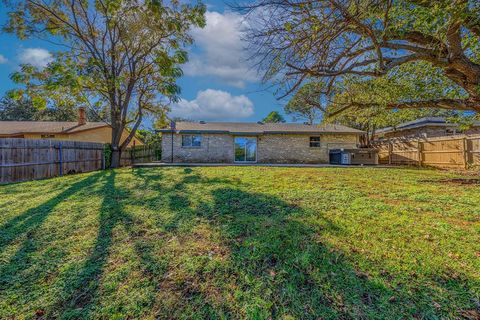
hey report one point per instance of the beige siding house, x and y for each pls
(81, 130)
(228, 142)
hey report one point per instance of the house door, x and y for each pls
(245, 149)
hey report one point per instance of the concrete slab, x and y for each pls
(295, 165)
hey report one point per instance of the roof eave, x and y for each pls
(79, 128)
(255, 132)
(314, 132)
(433, 124)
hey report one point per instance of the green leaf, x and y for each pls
(39, 102)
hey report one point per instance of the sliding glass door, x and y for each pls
(245, 149)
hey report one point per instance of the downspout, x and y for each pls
(172, 127)
(172, 149)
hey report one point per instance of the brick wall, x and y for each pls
(273, 148)
(283, 148)
(214, 148)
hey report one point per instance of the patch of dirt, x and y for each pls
(462, 181)
(387, 200)
(471, 314)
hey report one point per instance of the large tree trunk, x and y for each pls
(365, 139)
(117, 130)
(115, 159)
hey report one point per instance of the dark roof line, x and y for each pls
(41, 127)
(421, 122)
(258, 128)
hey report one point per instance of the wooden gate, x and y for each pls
(138, 154)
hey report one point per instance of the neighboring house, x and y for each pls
(254, 142)
(425, 128)
(62, 130)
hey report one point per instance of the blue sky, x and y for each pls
(218, 85)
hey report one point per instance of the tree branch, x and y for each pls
(449, 104)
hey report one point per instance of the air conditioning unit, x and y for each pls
(354, 156)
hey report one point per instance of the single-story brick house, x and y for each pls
(427, 127)
(227, 142)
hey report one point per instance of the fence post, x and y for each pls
(60, 159)
(390, 150)
(419, 152)
(103, 157)
(133, 152)
(465, 152)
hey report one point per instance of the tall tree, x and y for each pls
(297, 41)
(363, 103)
(122, 55)
(308, 103)
(16, 109)
(274, 117)
(23, 109)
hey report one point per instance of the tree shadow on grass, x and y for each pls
(77, 296)
(82, 296)
(181, 202)
(31, 219)
(150, 178)
(274, 265)
(26, 268)
(27, 225)
(277, 262)
(290, 271)
(282, 266)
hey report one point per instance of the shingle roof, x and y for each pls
(258, 128)
(19, 127)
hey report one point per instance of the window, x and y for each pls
(190, 140)
(48, 136)
(450, 132)
(314, 142)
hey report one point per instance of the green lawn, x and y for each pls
(241, 242)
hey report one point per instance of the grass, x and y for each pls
(241, 242)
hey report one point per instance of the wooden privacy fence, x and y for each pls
(454, 152)
(26, 159)
(136, 154)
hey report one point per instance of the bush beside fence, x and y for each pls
(451, 152)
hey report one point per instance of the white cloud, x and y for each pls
(213, 105)
(3, 59)
(222, 50)
(37, 57)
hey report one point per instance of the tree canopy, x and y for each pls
(23, 110)
(121, 57)
(364, 103)
(274, 117)
(308, 103)
(326, 40)
(19, 110)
